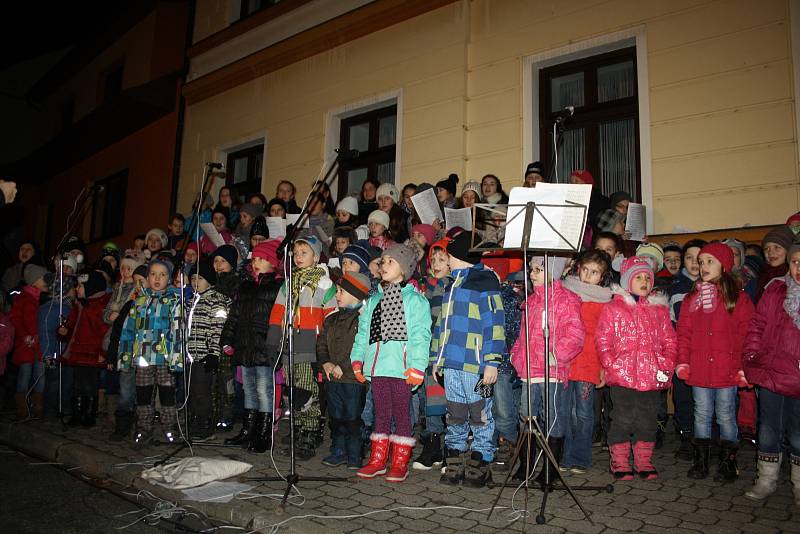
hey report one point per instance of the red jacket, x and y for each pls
(23, 317)
(86, 330)
(6, 340)
(635, 341)
(586, 367)
(711, 343)
(772, 347)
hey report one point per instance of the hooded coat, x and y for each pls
(586, 367)
(86, 329)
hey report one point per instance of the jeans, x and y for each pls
(258, 388)
(684, 405)
(580, 417)
(466, 410)
(345, 404)
(127, 390)
(557, 415)
(28, 371)
(778, 416)
(719, 401)
(505, 410)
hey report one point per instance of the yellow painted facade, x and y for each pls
(723, 133)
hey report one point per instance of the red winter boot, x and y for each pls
(642, 455)
(620, 460)
(401, 453)
(378, 455)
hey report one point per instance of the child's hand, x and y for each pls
(62, 331)
(113, 317)
(337, 372)
(741, 380)
(682, 371)
(414, 377)
(602, 379)
(489, 375)
(358, 370)
(228, 350)
(327, 368)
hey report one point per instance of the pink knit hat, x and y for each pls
(426, 230)
(631, 267)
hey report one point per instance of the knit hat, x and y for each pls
(227, 253)
(753, 264)
(129, 260)
(631, 267)
(388, 190)
(160, 234)
(359, 253)
(253, 210)
(380, 217)
(780, 235)
(348, 204)
(536, 167)
(259, 227)
(313, 242)
(426, 230)
(93, 282)
(110, 249)
(449, 183)
(738, 245)
(618, 197)
(459, 247)
(608, 219)
(585, 177)
(69, 261)
(438, 245)
(276, 202)
(204, 269)
(268, 250)
(653, 251)
(168, 265)
(721, 252)
(31, 273)
(73, 243)
(472, 186)
(793, 219)
(141, 270)
(105, 267)
(356, 284)
(405, 256)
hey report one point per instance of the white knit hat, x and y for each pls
(380, 217)
(388, 190)
(472, 186)
(348, 204)
(160, 234)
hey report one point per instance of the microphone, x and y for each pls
(215, 165)
(347, 154)
(565, 114)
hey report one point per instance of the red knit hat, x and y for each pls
(584, 175)
(721, 252)
(268, 250)
(426, 230)
(441, 245)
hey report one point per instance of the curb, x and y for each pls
(40, 443)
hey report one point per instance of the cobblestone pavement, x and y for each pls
(671, 503)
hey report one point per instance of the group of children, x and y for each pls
(425, 333)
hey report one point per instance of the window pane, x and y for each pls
(386, 172)
(572, 154)
(387, 131)
(566, 91)
(240, 170)
(257, 162)
(359, 137)
(615, 81)
(355, 179)
(618, 157)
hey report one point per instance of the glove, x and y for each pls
(358, 370)
(741, 381)
(682, 371)
(414, 377)
(228, 350)
(211, 363)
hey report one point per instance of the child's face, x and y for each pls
(775, 254)
(690, 261)
(390, 270)
(25, 252)
(126, 272)
(440, 264)
(158, 277)
(442, 194)
(350, 266)
(153, 243)
(738, 260)
(537, 274)
(199, 283)
(622, 207)
(341, 244)
(642, 284)
(245, 218)
(607, 245)
(317, 206)
(225, 197)
(219, 221)
(385, 203)
(343, 216)
(345, 299)
(176, 227)
(256, 240)
(303, 256)
(190, 256)
(138, 244)
(375, 268)
(672, 261)
(276, 210)
(591, 273)
(469, 198)
(221, 265)
(261, 266)
(420, 239)
(794, 267)
(376, 229)
(710, 268)
(368, 191)
(285, 192)
(409, 192)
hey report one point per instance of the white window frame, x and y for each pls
(531, 65)
(222, 151)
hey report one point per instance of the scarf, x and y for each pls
(792, 301)
(494, 199)
(706, 298)
(388, 322)
(305, 277)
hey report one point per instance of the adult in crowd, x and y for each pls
(388, 198)
(27, 253)
(492, 190)
(534, 173)
(368, 200)
(286, 191)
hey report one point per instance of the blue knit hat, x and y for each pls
(358, 253)
(165, 263)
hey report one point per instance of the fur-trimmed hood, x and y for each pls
(652, 299)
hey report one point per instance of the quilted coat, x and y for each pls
(248, 322)
(635, 340)
(586, 367)
(86, 331)
(23, 317)
(772, 346)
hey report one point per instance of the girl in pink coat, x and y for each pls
(637, 346)
(714, 318)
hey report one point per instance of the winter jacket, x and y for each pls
(23, 317)
(119, 296)
(314, 305)
(711, 343)
(767, 275)
(469, 333)
(586, 367)
(112, 354)
(566, 333)
(676, 292)
(207, 246)
(635, 341)
(47, 320)
(208, 313)
(392, 358)
(86, 329)
(512, 307)
(228, 284)
(6, 339)
(248, 322)
(772, 346)
(336, 340)
(151, 333)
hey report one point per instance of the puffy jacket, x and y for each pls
(23, 317)
(586, 367)
(392, 358)
(772, 346)
(151, 331)
(566, 333)
(86, 330)
(336, 340)
(208, 314)
(711, 343)
(635, 340)
(248, 322)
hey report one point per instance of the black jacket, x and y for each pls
(248, 321)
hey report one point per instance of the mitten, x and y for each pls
(358, 370)
(211, 363)
(682, 371)
(741, 381)
(228, 350)
(414, 377)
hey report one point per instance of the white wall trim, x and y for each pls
(531, 65)
(794, 29)
(333, 124)
(221, 154)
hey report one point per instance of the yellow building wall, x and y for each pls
(724, 149)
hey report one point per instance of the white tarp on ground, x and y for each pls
(194, 471)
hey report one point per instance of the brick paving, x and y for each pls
(671, 503)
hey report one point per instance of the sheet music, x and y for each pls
(458, 218)
(216, 491)
(291, 218)
(547, 219)
(334, 263)
(213, 235)
(427, 206)
(636, 222)
(276, 227)
(572, 222)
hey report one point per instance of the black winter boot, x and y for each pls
(244, 435)
(89, 412)
(431, 455)
(685, 451)
(556, 446)
(78, 407)
(728, 471)
(262, 435)
(702, 457)
(476, 471)
(453, 468)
